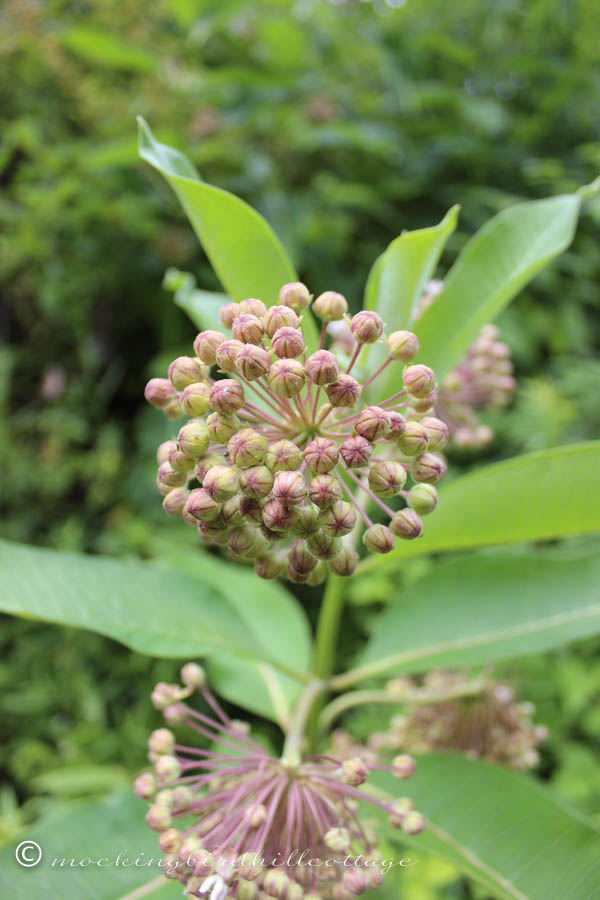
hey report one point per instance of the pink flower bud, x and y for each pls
(428, 468)
(247, 447)
(354, 771)
(169, 476)
(330, 306)
(193, 439)
(169, 840)
(179, 461)
(252, 362)
(403, 345)
(162, 453)
(227, 396)
(398, 811)
(322, 367)
(283, 455)
(256, 481)
(437, 432)
(201, 506)
(379, 539)
(323, 546)
(205, 345)
(356, 451)
(185, 370)
(221, 482)
(366, 326)
(248, 329)
(193, 676)
(253, 307)
(158, 818)
(296, 295)
(397, 424)
(144, 786)
(164, 695)
(228, 313)
(404, 766)
(419, 380)
(345, 391)
(344, 563)
(372, 422)
(277, 516)
(338, 519)
(407, 525)
(159, 392)
(386, 477)
(301, 559)
(414, 822)
(227, 353)
(324, 490)
(321, 455)
(174, 502)
(195, 400)
(287, 342)
(289, 487)
(269, 566)
(287, 377)
(278, 317)
(161, 741)
(221, 428)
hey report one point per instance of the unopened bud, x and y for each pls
(163, 450)
(428, 468)
(283, 455)
(423, 498)
(403, 345)
(343, 392)
(167, 475)
(413, 823)
(179, 461)
(356, 451)
(227, 353)
(195, 399)
(413, 439)
(344, 563)
(404, 766)
(252, 362)
(296, 295)
(247, 448)
(397, 424)
(169, 840)
(221, 428)
(159, 392)
(323, 546)
(322, 367)
(193, 439)
(419, 380)
(185, 370)
(398, 811)
(386, 477)
(175, 501)
(330, 306)
(289, 487)
(164, 695)
(354, 772)
(248, 329)
(269, 566)
(301, 559)
(275, 884)
(193, 675)
(324, 490)
(144, 786)
(256, 481)
(339, 519)
(372, 422)
(228, 313)
(221, 482)
(407, 525)
(207, 462)
(287, 377)
(158, 818)
(337, 839)
(366, 326)
(321, 455)
(437, 432)
(227, 396)
(246, 890)
(307, 521)
(279, 317)
(287, 342)
(231, 512)
(242, 540)
(379, 539)
(167, 770)
(254, 307)
(278, 516)
(205, 345)
(355, 880)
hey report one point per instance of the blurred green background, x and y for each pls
(343, 123)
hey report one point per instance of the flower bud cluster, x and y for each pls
(235, 822)
(281, 454)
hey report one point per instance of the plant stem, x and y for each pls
(328, 626)
(292, 748)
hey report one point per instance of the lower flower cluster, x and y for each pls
(281, 457)
(235, 822)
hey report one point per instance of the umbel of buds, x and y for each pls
(284, 460)
(235, 822)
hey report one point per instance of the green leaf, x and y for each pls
(502, 828)
(493, 267)
(481, 608)
(218, 611)
(202, 307)
(397, 280)
(533, 497)
(101, 47)
(244, 251)
(92, 835)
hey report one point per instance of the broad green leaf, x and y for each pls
(202, 307)
(101, 47)
(502, 828)
(481, 608)
(397, 280)
(217, 611)
(493, 267)
(244, 251)
(103, 839)
(533, 497)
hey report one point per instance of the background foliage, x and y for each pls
(343, 124)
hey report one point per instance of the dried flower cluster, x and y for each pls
(448, 711)
(235, 822)
(281, 455)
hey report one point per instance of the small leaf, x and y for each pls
(493, 267)
(105, 49)
(536, 496)
(476, 609)
(202, 307)
(243, 249)
(502, 828)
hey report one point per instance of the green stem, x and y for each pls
(292, 748)
(328, 627)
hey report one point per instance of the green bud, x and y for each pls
(246, 890)
(287, 342)
(287, 377)
(344, 563)
(330, 306)
(242, 540)
(162, 453)
(413, 823)
(195, 400)
(366, 326)
(168, 476)
(296, 295)
(318, 574)
(321, 455)
(175, 501)
(185, 370)
(277, 516)
(379, 539)
(193, 439)
(372, 422)
(167, 770)
(200, 505)
(403, 345)
(323, 546)
(423, 498)
(193, 676)
(428, 468)
(221, 428)
(158, 818)
(205, 345)
(207, 462)
(278, 317)
(407, 525)
(247, 447)
(221, 482)
(179, 461)
(413, 439)
(227, 353)
(419, 380)
(339, 519)
(283, 455)
(324, 490)
(256, 481)
(386, 477)
(322, 367)
(231, 512)
(437, 432)
(227, 396)
(269, 566)
(301, 559)
(307, 521)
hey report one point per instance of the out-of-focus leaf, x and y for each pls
(201, 306)
(493, 267)
(97, 46)
(502, 828)
(482, 608)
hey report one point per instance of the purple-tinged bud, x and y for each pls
(252, 362)
(372, 422)
(249, 869)
(330, 306)
(227, 353)
(161, 741)
(321, 455)
(428, 468)
(337, 839)
(404, 766)
(193, 439)
(407, 525)
(175, 501)
(144, 786)
(159, 392)
(195, 399)
(193, 676)
(278, 516)
(179, 462)
(375, 877)
(301, 559)
(185, 370)
(221, 428)
(231, 513)
(283, 455)
(248, 329)
(162, 488)
(397, 424)
(414, 822)
(345, 391)
(228, 313)
(174, 714)
(253, 307)
(386, 477)
(247, 448)
(269, 566)
(167, 475)
(158, 818)
(227, 396)
(242, 540)
(324, 490)
(356, 451)
(287, 342)
(318, 574)
(205, 345)
(413, 439)
(425, 404)
(169, 840)
(437, 432)
(251, 509)
(403, 345)
(307, 521)
(322, 367)
(339, 519)
(221, 482)
(419, 380)
(256, 481)
(287, 377)
(379, 539)
(213, 533)
(207, 462)
(162, 453)
(164, 797)
(355, 880)
(173, 409)
(201, 506)
(345, 562)
(164, 695)
(279, 317)
(423, 498)
(366, 326)
(289, 487)
(296, 295)
(323, 546)
(181, 796)
(354, 771)
(167, 770)
(246, 890)
(398, 811)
